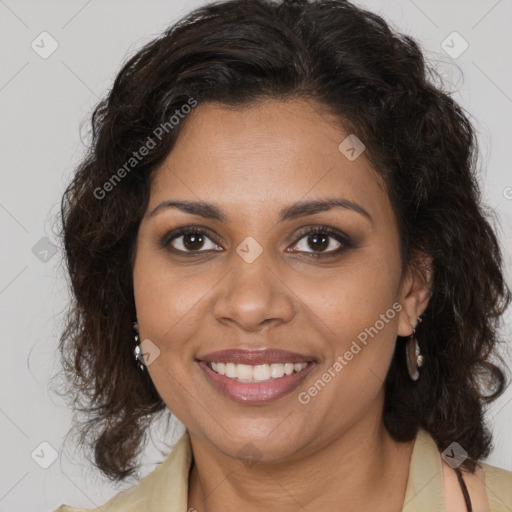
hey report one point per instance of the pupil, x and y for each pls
(192, 241)
(316, 238)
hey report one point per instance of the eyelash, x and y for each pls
(325, 230)
(332, 233)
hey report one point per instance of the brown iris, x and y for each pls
(319, 241)
(193, 241)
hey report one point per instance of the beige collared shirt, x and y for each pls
(165, 489)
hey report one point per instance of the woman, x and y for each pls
(280, 210)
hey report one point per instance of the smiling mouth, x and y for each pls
(257, 372)
(255, 376)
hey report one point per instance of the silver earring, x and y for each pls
(137, 352)
(413, 356)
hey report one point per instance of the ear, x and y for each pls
(414, 293)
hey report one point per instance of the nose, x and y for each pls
(252, 296)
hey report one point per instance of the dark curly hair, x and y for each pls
(376, 82)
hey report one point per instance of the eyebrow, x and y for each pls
(293, 211)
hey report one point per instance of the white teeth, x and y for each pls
(258, 372)
(276, 370)
(244, 371)
(230, 370)
(288, 368)
(261, 372)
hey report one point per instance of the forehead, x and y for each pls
(271, 151)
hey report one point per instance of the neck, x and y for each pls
(364, 468)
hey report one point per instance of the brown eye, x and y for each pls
(322, 241)
(318, 241)
(193, 241)
(190, 240)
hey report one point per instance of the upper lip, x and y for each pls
(256, 356)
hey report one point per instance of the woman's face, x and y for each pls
(254, 283)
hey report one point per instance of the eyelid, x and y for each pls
(184, 230)
(331, 232)
(323, 229)
(338, 235)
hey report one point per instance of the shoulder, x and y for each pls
(67, 508)
(130, 500)
(498, 484)
(489, 488)
(135, 499)
(162, 489)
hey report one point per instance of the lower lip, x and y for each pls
(255, 392)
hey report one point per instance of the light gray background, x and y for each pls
(44, 101)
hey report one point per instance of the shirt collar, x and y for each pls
(424, 489)
(166, 487)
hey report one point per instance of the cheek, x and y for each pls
(356, 310)
(354, 295)
(164, 297)
(361, 337)
(167, 304)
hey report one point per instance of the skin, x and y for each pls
(251, 163)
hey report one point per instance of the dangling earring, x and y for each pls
(137, 352)
(413, 356)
